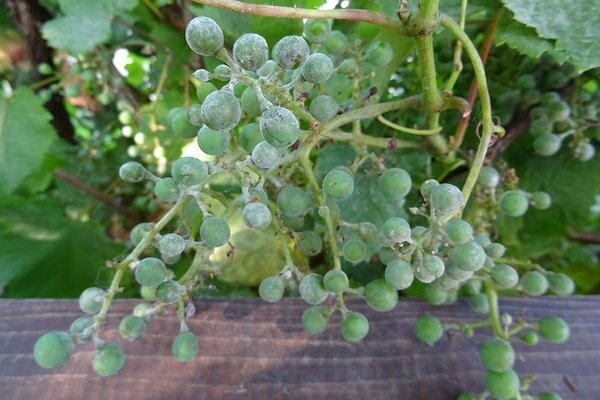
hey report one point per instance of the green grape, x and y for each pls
(367, 231)
(550, 97)
(386, 255)
(448, 283)
(338, 185)
(271, 289)
(53, 349)
(256, 216)
(428, 329)
(336, 43)
(458, 274)
(502, 385)
(427, 187)
(180, 124)
(296, 224)
(547, 144)
(189, 171)
(554, 329)
(323, 108)
(354, 327)
(279, 127)
(132, 171)
(380, 295)
(171, 245)
(584, 151)
(215, 231)
(194, 116)
(168, 292)
(469, 256)
(530, 338)
(394, 183)
(139, 232)
(290, 52)
(315, 320)
(525, 82)
(132, 327)
(318, 68)
(266, 69)
(467, 396)
(145, 311)
(45, 69)
(251, 51)
(380, 54)
(497, 355)
(309, 243)
(479, 304)
(185, 346)
(561, 284)
(80, 329)
(446, 199)
(204, 36)
(148, 293)
(354, 250)
(558, 111)
(348, 66)
(125, 117)
(399, 274)
(531, 97)
(495, 250)
(396, 230)
(541, 200)
(249, 137)
(166, 190)
(221, 111)
(316, 30)
(202, 75)
(312, 289)
(336, 281)
(433, 265)
(151, 272)
(548, 396)
(108, 360)
(265, 156)
(534, 283)
(540, 127)
(212, 142)
(203, 90)
(504, 276)
(435, 294)
(538, 113)
(91, 300)
(459, 231)
(249, 102)
(514, 203)
(489, 177)
(473, 287)
(293, 201)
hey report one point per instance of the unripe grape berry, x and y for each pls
(148, 293)
(489, 177)
(271, 289)
(312, 290)
(380, 54)
(459, 231)
(315, 320)
(514, 203)
(202, 75)
(318, 68)
(80, 329)
(323, 108)
(354, 250)
(336, 43)
(336, 281)
(338, 185)
(541, 200)
(293, 201)
(394, 183)
(396, 230)
(203, 90)
(504, 276)
(291, 52)
(435, 294)
(433, 265)
(479, 303)
(558, 111)
(309, 243)
(540, 126)
(386, 255)
(221, 111)
(265, 156)
(427, 186)
(185, 346)
(316, 30)
(222, 72)
(380, 295)
(547, 144)
(215, 231)
(212, 142)
(91, 299)
(355, 327)
(534, 283)
(428, 329)
(166, 190)
(204, 36)
(194, 116)
(132, 171)
(266, 69)
(250, 51)
(189, 171)
(495, 250)
(446, 199)
(132, 327)
(554, 329)
(348, 66)
(497, 355)
(249, 103)
(529, 338)
(178, 121)
(456, 273)
(399, 274)
(145, 311)
(168, 292)
(151, 272)
(584, 151)
(502, 385)
(279, 126)
(469, 256)
(249, 137)
(171, 245)
(108, 360)
(561, 284)
(53, 349)
(256, 216)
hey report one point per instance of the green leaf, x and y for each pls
(526, 41)
(574, 25)
(25, 137)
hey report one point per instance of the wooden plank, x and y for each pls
(253, 350)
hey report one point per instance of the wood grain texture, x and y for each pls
(252, 350)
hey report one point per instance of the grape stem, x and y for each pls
(457, 65)
(494, 316)
(410, 131)
(375, 18)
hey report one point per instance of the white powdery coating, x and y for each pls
(171, 245)
(256, 215)
(251, 51)
(265, 156)
(204, 36)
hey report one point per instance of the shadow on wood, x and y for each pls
(253, 350)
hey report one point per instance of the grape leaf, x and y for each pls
(526, 41)
(574, 25)
(25, 137)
